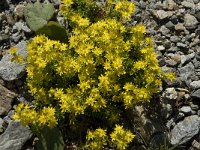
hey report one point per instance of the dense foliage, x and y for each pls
(104, 67)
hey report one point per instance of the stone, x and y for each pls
(190, 21)
(194, 107)
(185, 130)
(195, 84)
(15, 136)
(186, 58)
(174, 38)
(171, 63)
(1, 125)
(186, 109)
(196, 63)
(181, 45)
(189, 68)
(19, 10)
(13, 70)
(170, 4)
(179, 27)
(4, 38)
(161, 14)
(196, 145)
(187, 4)
(10, 19)
(161, 48)
(197, 15)
(16, 37)
(185, 72)
(170, 123)
(164, 30)
(170, 93)
(18, 26)
(26, 29)
(196, 94)
(6, 99)
(169, 25)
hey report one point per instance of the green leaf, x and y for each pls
(54, 31)
(50, 139)
(37, 15)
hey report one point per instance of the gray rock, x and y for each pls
(170, 93)
(187, 4)
(179, 27)
(161, 48)
(171, 62)
(181, 45)
(196, 63)
(164, 30)
(4, 38)
(18, 26)
(185, 130)
(186, 71)
(12, 70)
(195, 84)
(161, 14)
(197, 15)
(194, 107)
(186, 109)
(170, 123)
(179, 116)
(19, 11)
(198, 7)
(16, 36)
(196, 94)
(26, 29)
(186, 58)
(170, 4)
(174, 38)
(15, 136)
(190, 21)
(169, 25)
(1, 125)
(6, 99)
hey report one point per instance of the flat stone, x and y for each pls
(174, 38)
(195, 84)
(190, 21)
(186, 109)
(161, 14)
(15, 136)
(179, 27)
(187, 4)
(13, 70)
(181, 45)
(6, 99)
(196, 94)
(161, 48)
(185, 130)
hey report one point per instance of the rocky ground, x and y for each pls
(175, 26)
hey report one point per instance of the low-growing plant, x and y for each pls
(84, 85)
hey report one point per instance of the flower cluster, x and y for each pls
(98, 139)
(104, 65)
